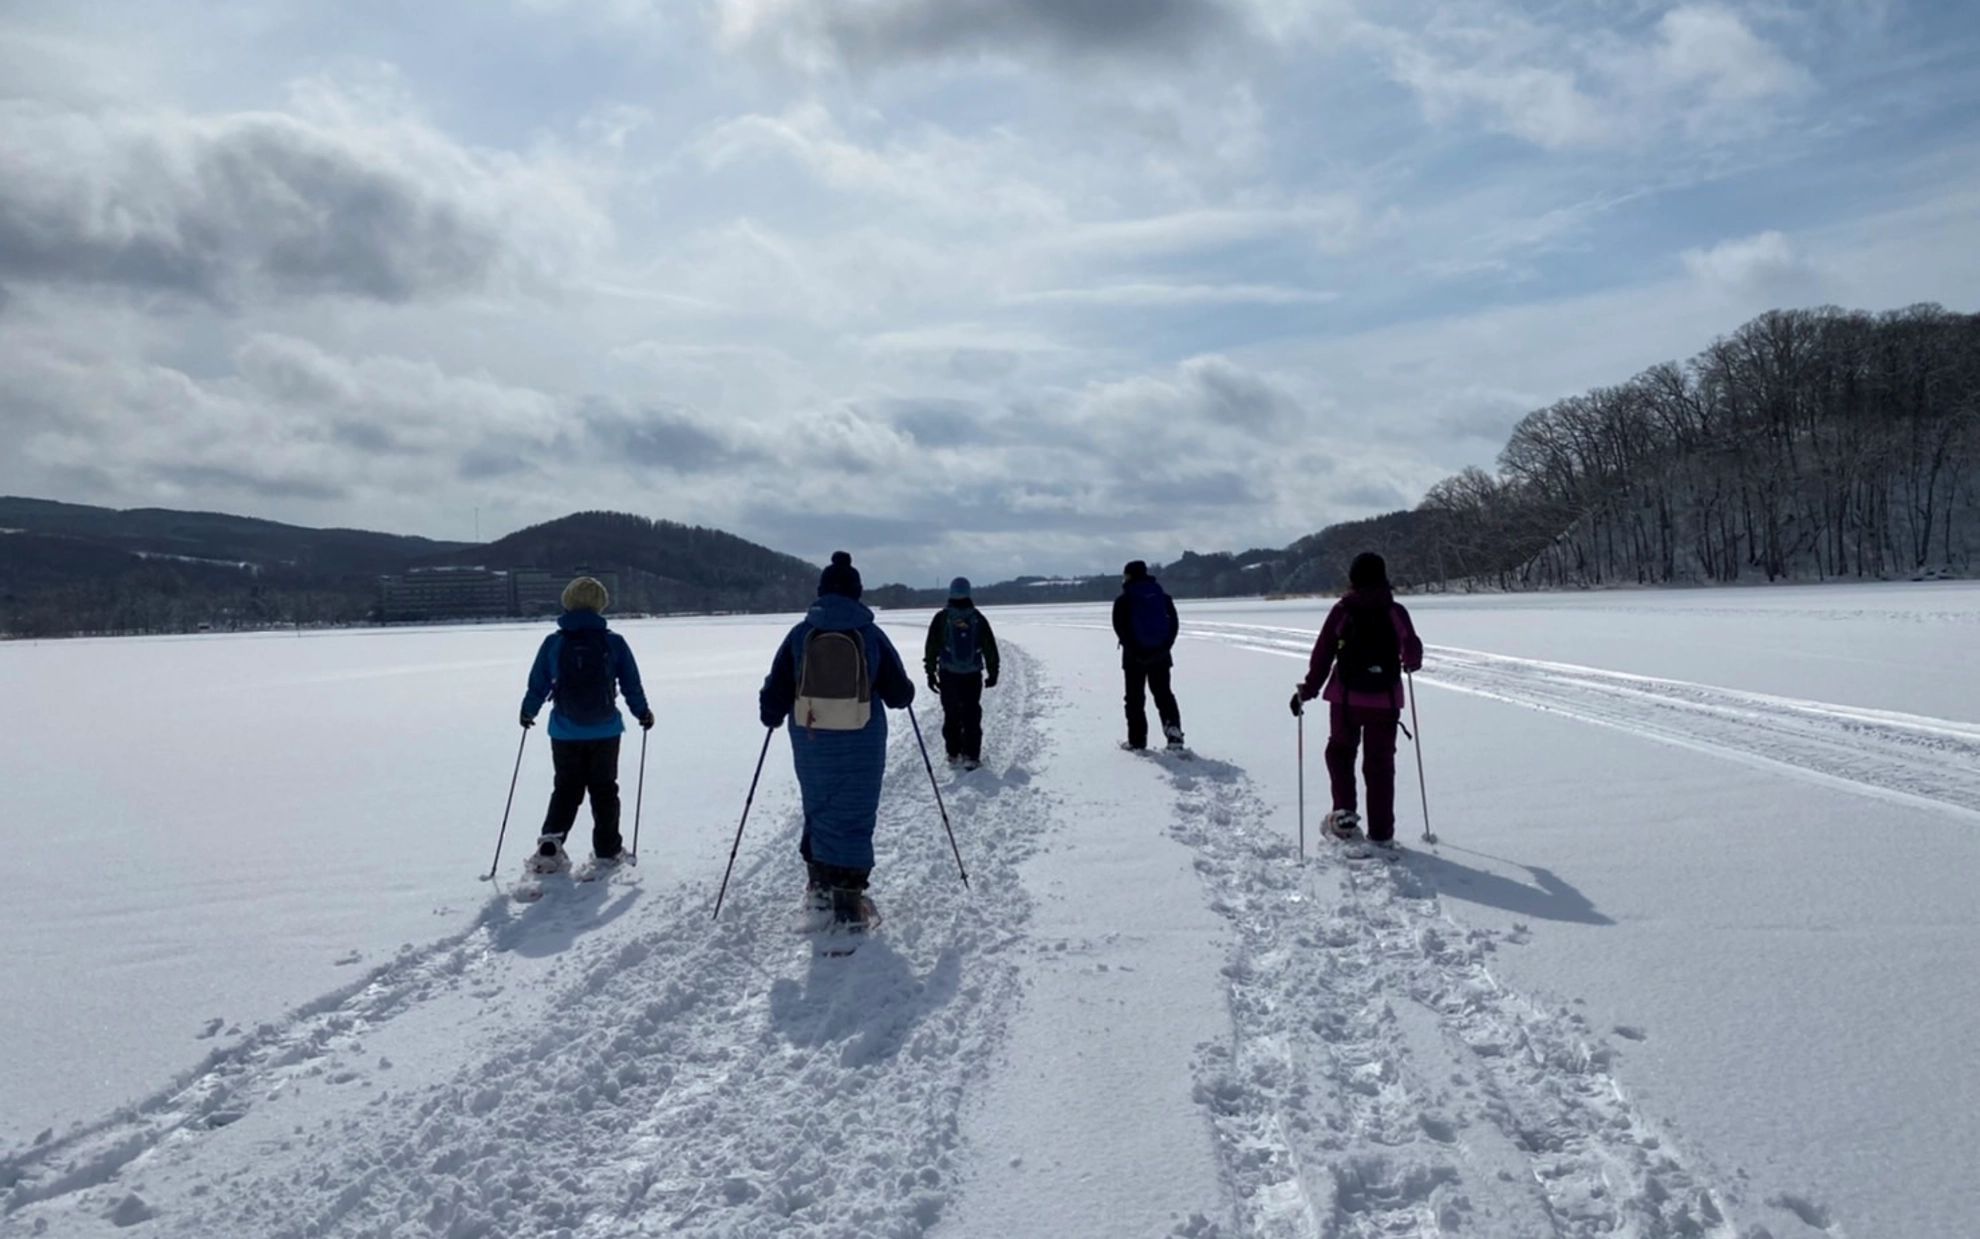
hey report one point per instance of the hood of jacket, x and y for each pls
(581, 621)
(838, 613)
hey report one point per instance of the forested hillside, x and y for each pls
(661, 565)
(1808, 444)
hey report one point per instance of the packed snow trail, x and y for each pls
(1909, 758)
(673, 1075)
(1380, 1080)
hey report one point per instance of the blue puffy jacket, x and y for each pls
(543, 680)
(839, 772)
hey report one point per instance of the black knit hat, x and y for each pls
(1368, 571)
(1136, 569)
(839, 577)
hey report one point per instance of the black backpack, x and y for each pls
(586, 694)
(1370, 652)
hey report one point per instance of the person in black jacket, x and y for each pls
(1145, 623)
(959, 651)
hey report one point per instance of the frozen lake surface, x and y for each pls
(1694, 956)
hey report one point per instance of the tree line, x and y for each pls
(1808, 444)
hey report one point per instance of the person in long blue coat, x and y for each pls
(839, 772)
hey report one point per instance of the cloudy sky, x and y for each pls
(984, 286)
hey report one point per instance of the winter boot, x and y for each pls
(850, 910)
(1173, 734)
(550, 856)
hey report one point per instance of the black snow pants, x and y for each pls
(586, 766)
(1153, 676)
(962, 713)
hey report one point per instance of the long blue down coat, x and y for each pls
(838, 772)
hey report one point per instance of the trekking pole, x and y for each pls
(639, 797)
(1428, 836)
(767, 733)
(1301, 716)
(503, 833)
(964, 873)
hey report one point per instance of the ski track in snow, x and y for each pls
(1380, 1081)
(674, 1076)
(1909, 758)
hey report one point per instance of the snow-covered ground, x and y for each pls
(1695, 956)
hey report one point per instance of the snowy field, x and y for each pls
(1696, 954)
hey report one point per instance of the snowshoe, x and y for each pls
(970, 763)
(1342, 824)
(603, 866)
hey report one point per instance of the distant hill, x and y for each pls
(661, 565)
(70, 568)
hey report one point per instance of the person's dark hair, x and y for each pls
(1368, 571)
(1135, 570)
(839, 577)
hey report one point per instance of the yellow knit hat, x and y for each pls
(587, 593)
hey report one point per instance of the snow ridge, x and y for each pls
(1380, 1080)
(671, 1074)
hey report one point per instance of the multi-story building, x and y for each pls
(466, 592)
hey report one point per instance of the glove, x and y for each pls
(528, 721)
(1298, 704)
(646, 720)
(990, 681)
(934, 686)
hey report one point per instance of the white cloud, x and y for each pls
(244, 206)
(1710, 50)
(1155, 296)
(1699, 69)
(1765, 265)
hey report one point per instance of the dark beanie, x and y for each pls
(839, 577)
(1136, 569)
(1368, 571)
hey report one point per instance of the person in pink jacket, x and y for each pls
(1363, 650)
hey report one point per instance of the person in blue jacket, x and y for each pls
(839, 765)
(581, 668)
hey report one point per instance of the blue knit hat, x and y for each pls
(839, 577)
(959, 588)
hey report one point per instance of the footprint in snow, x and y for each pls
(1631, 1031)
(1807, 1210)
(347, 959)
(211, 1029)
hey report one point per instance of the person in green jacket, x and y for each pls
(960, 649)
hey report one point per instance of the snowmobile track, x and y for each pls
(1913, 759)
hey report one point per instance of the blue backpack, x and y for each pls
(961, 647)
(585, 691)
(1148, 615)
